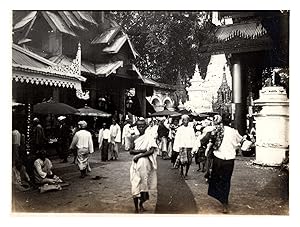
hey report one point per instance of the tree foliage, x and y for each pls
(167, 42)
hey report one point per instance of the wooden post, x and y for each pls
(55, 94)
(122, 101)
(93, 94)
(141, 94)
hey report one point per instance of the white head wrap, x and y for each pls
(82, 124)
(60, 118)
(185, 116)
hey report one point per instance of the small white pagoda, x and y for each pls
(202, 92)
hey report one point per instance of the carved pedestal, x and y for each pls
(272, 126)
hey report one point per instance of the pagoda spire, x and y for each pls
(197, 72)
(224, 75)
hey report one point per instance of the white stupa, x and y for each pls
(199, 99)
(201, 92)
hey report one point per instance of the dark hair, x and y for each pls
(226, 118)
(41, 154)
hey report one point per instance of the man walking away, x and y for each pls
(83, 142)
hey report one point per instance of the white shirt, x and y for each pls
(103, 134)
(39, 165)
(83, 139)
(115, 131)
(152, 130)
(185, 137)
(146, 142)
(106, 134)
(230, 142)
(126, 131)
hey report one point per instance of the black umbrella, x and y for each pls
(186, 112)
(210, 114)
(165, 112)
(88, 111)
(52, 107)
(200, 116)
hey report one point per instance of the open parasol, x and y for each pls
(185, 112)
(200, 116)
(88, 111)
(165, 112)
(210, 114)
(190, 113)
(52, 107)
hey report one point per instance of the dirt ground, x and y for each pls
(255, 190)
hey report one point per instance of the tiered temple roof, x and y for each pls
(251, 31)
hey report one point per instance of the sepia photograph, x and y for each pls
(150, 112)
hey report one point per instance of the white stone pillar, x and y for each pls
(272, 126)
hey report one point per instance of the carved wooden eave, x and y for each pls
(30, 68)
(37, 76)
(237, 45)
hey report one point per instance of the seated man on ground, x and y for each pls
(43, 174)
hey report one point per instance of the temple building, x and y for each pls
(78, 58)
(251, 41)
(107, 56)
(34, 77)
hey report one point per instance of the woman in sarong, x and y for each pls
(143, 176)
(225, 143)
(82, 141)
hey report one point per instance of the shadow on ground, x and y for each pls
(174, 196)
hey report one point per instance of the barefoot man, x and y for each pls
(143, 176)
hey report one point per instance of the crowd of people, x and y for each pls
(34, 169)
(211, 142)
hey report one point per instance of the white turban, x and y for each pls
(185, 116)
(82, 124)
(60, 118)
